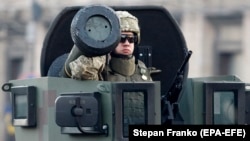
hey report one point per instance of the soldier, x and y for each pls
(122, 64)
(123, 67)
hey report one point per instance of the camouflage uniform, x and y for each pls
(119, 68)
(126, 68)
(87, 68)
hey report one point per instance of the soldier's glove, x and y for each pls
(87, 68)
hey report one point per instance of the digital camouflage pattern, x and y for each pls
(87, 68)
(119, 69)
(128, 22)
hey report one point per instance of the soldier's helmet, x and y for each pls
(128, 22)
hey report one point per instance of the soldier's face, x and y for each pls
(126, 44)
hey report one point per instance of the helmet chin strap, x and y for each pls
(136, 54)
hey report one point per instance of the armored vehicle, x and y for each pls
(54, 108)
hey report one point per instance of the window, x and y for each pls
(135, 103)
(224, 102)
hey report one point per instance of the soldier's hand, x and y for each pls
(87, 68)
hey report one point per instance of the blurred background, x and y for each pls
(217, 31)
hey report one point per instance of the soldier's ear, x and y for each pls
(136, 39)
